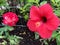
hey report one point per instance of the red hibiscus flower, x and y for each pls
(43, 20)
(10, 18)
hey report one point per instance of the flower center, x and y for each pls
(44, 19)
(37, 24)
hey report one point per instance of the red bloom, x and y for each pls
(43, 20)
(10, 18)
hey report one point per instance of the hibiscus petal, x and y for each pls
(46, 9)
(44, 32)
(31, 25)
(34, 13)
(53, 22)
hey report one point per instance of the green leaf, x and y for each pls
(14, 40)
(3, 2)
(46, 43)
(36, 35)
(4, 43)
(30, 0)
(26, 17)
(1, 12)
(27, 5)
(57, 12)
(1, 32)
(57, 1)
(10, 28)
(2, 36)
(53, 1)
(6, 28)
(43, 2)
(55, 34)
(2, 29)
(58, 40)
(36, 1)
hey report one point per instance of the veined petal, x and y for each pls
(34, 13)
(33, 25)
(53, 22)
(46, 9)
(44, 32)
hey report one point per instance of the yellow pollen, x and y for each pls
(37, 24)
